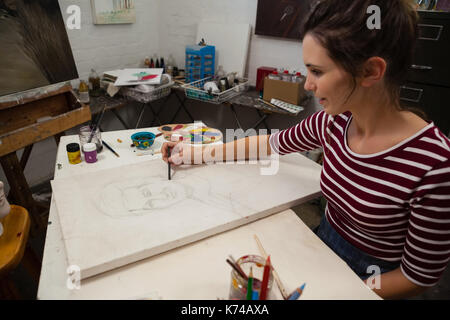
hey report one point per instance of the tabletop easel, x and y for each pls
(25, 122)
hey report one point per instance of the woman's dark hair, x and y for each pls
(340, 26)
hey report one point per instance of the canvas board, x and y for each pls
(114, 217)
(231, 42)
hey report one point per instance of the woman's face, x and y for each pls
(328, 81)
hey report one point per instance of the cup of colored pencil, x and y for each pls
(251, 278)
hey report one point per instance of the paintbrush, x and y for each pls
(97, 124)
(274, 272)
(168, 162)
(241, 272)
(111, 149)
(237, 269)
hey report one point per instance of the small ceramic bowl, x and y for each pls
(143, 140)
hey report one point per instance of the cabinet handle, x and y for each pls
(440, 27)
(420, 91)
(418, 67)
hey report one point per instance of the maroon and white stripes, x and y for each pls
(395, 204)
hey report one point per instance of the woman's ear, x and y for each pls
(373, 71)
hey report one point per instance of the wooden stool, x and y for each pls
(12, 247)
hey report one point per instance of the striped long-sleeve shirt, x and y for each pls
(393, 205)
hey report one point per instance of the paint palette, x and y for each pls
(195, 134)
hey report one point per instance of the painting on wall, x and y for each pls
(113, 11)
(281, 18)
(35, 50)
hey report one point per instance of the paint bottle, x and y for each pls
(90, 152)
(274, 75)
(286, 76)
(73, 153)
(84, 92)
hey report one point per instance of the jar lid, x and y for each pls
(286, 71)
(89, 147)
(73, 147)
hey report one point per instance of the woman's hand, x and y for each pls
(172, 152)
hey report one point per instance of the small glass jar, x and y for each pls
(238, 285)
(90, 152)
(274, 76)
(73, 153)
(85, 134)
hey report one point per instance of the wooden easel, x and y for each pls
(29, 121)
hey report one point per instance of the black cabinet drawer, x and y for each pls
(433, 100)
(431, 62)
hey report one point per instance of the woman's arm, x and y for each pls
(249, 148)
(394, 285)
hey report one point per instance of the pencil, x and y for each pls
(238, 270)
(250, 285)
(265, 281)
(111, 149)
(297, 293)
(275, 274)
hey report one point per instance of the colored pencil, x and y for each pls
(111, 149)
(297, 293)
(275, 274)
(241, 272)
(265, 281)
(238, 270)
(250, 285)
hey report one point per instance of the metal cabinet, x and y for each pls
(428, 82)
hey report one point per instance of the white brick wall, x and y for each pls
(179, 28)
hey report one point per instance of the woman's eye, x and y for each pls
(316, 72)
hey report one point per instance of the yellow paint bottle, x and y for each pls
(73, 153)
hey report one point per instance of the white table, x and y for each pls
(197, 270)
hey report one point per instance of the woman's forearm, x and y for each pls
(394, 285)
(248, 148)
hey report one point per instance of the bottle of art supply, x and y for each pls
(274, 76)
(157, 63)
(286, 76)
(90, 152)
(297, 77)
(152, 63)
(162, 65)
(84, 92)
(220, 72)
(94, 83)
(147, 62)
(73, 153)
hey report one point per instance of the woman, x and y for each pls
(386, 171)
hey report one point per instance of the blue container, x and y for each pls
(200, 62)
(143, 140)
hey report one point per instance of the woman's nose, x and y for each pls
(309, 85)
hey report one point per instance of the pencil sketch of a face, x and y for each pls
(137, 197)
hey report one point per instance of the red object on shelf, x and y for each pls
(261, 74)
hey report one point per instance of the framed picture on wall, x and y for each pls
(281, 18)
(113, 11)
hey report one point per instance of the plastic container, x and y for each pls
(73, 153)
(297, 78)
(286, 76)
(274, 76)
(200, 62)
(90, 152)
